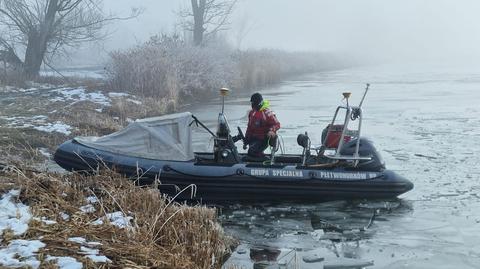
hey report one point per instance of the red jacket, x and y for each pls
(260, 123)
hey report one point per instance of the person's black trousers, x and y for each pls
(256, 147)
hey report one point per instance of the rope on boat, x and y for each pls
(169, 168)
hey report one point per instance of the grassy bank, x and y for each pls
(39, 116)
(34, 119)
(103, 220)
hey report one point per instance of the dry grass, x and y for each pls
(123, 109)
(163, 234)
(86, 120)
(84, 117)
(20, 146)
(167, 66)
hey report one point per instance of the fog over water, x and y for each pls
(435, 31)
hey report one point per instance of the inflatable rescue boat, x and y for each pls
(344, 166)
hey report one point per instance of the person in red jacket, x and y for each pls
(262, 126)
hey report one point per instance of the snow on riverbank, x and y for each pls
(21, 253)
(75, 95)
(39, 123)
(57, 126)
(15, 218)
(36, 108)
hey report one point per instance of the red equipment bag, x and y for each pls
(334, 133)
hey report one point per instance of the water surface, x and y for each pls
(425, 121)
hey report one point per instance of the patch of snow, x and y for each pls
(28, 90)
(99, 110)
(14, 193)
(25, 122)
(91, 199)
(38, 85)
(40, 117)
(49, 222)
(39, 123)
(13, 216)
(88, 251)
(119, 219)
(87, 208)
(97, 222)
(93, 254)
(79, 94)
(83, 241)
(64, 216)
(99, 98)
(21, 253)
(93, 243)
(118, 94)
(66, 262)
(116, 218)
(96, 258)
(58, 127)
(45, 152)
(78, 240)
(45, 220)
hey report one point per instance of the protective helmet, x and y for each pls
(256, 100)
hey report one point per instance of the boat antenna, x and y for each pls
(364, 94)
(224, 92)
(347, 95)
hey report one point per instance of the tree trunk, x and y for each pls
(38, 41)
(198, 9)
(34, 55)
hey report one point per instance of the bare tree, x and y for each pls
(39, 29)
(206, 18)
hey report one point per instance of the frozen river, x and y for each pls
(426, 124)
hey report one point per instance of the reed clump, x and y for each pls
(159, 233)
(171, 68)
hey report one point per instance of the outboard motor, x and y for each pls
(224, 149)
(366, 148)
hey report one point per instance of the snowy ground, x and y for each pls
(54, 99)
(43, 115)
(15, 218)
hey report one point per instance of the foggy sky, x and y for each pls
(380, 30)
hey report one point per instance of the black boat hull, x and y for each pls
(239, 182)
